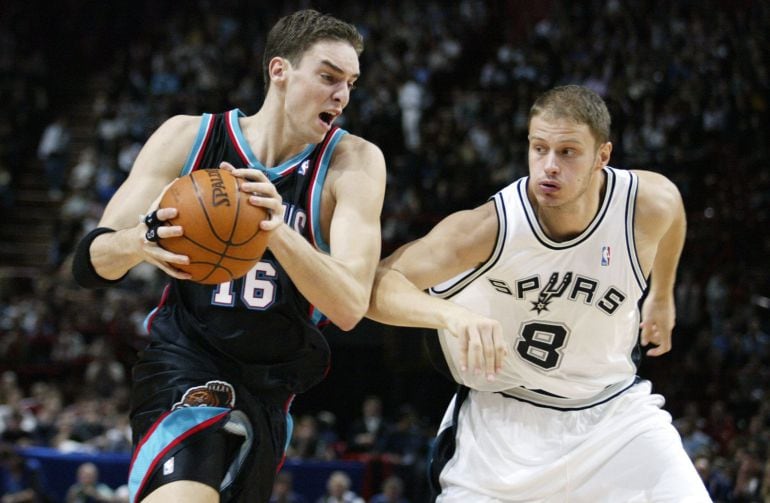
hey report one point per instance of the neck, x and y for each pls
(270, 137)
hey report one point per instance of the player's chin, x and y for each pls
(548, 201)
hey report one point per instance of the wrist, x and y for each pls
(115, 254)
(661, 296)
(280, 237)
(83, 268)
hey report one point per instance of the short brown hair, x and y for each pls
(578, 104)
(294, 34)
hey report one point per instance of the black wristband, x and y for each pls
(82, 269)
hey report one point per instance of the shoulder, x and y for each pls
(354, 154)
(658, 202)
(657, 195)
(185, 125)
(468, 237)
(355, 146)
(477, 225)
(176, 134)
(170, 144)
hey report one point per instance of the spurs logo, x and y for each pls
(212, 394)
(550, 291)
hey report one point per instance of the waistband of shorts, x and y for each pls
(540, 398)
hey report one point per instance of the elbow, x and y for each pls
(353, 312)
(348, 323)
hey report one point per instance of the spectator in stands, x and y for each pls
(404, 445)
(695, 442)
(10, 397)
(404, 442)
(338, 490)
(70, 344)
(720, 426)
(104, 373)
(716, 477)
(392, 491)
(411, 97)
(20, 479)
(53, 150)
(366, 430)
(88, 489)
(329, 446)
(121, 495)
(283, 489)
(14, 431)
(304, 442)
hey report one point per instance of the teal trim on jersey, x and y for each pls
(171, 430)
(317, 316)
(289, 431)
(273, 173)
(146, 322)
(198, 145)
(316, 190)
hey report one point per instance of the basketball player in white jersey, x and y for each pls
(535, 295)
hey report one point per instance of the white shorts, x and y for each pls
(624, 450)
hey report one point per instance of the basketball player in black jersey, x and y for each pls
(211, 392)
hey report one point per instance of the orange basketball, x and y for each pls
(221, 237)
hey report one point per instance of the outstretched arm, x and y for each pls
(661, 227)
(458, 243)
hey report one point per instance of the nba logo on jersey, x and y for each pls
(303, 167)
(605, 255)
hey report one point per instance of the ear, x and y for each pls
(278, 69)
(603, 156)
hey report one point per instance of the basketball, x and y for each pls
(221, 237)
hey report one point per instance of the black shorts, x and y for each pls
(204, 458)
(192, 421)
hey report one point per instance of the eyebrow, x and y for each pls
(565, 140)
(337, 68)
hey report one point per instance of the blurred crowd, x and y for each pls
(445, 92)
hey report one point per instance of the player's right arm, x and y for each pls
(458, 243)
(159, 162)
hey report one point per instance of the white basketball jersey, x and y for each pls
(569, 310)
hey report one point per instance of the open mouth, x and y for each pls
(326, 117)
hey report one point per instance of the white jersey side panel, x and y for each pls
(568, 309)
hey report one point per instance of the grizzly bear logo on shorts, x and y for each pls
(212, 394)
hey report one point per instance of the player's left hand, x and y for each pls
(482, 346)
(261, 192)
(658, 319)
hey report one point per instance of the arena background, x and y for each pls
(445, 90)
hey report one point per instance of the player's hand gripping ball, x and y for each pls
(221, 236)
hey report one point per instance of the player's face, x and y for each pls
(563, 159)
(319, 87)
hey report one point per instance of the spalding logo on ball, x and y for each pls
(221, 237)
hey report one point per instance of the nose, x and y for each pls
(341, 94)
(550, 165)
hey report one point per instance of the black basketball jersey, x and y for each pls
(261, 321)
